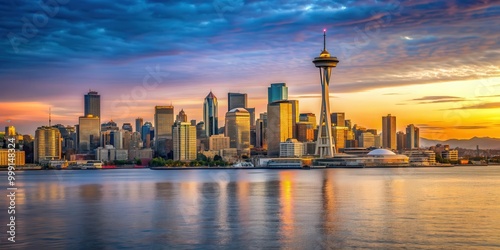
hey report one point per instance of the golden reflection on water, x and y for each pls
(286, 199)
(365, 208)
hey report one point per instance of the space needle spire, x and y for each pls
(325, 146)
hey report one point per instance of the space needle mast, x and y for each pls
(325, 147)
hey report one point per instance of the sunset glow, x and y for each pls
(435, 65)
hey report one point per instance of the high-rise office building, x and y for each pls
(339, 134)
(135, 141)
(251, 111)
(92, 104)
(127, 126)
(109, 126)
(280, 125)
(184, 141)
(295, 116)
(200, 130)
(389, 132)
(218, 142)
(138, 124)
(164, 119)
(236, 100)
(305, 131)
(48, 144)
(238, 129)
(400, 141)
(308, 117)
(181, 117)
(338, 119)
(260, 131)
(412, 137)
(277, 92)
(88, 133)
(68, 137)
(146, 134)
(211, 115)
(366, 140)
(89, 128)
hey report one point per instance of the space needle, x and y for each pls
(325, 62)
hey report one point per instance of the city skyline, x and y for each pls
(401, 58)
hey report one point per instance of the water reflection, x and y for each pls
(367, 208)
(287, 223)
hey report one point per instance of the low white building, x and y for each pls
(291, 148)
(421, 157)
(145, 153)
(379, 158)
(110, 153)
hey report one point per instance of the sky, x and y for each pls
(435, 64)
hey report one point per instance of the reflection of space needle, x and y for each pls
(325, 62)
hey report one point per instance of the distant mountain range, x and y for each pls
(483, 142)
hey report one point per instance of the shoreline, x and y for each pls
(233, 168)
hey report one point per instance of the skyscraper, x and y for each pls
(295, 116)
(89, 129)
(400, 141)
(211, 115)
(109, 126)
(280, 125)
(389, 132)
(236, 100)
(260, 131)
(127, 126)
(184, 141)
(181, 117)
(309, 117)
(92, 104)
(277, 92)
(338, 119)
(305, 131)
(238, 129)
(412, 137)
(138, 124)
(251, 111)
(48, 144)
(164, 119)
(325, 62)
(88, 133)
(366, 140)
(146, 134)
(339, 135)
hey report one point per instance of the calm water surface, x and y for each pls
(454, 208)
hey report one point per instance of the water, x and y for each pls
(436, 208)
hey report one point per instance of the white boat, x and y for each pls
(243, 164)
